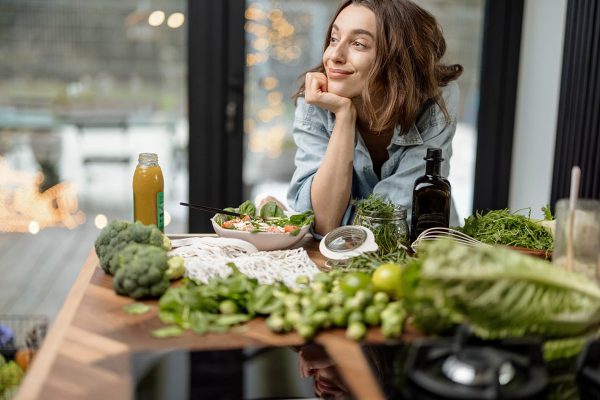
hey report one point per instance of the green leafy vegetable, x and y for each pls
(247, 208)
(547, 213)
(136, 308)
(499, 292)
(368, 262)
(557, 349)
(506, 228)
(167, 331)
(271, 210)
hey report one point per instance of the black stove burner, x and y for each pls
(476, 367)
(468, 368)
(588, 371)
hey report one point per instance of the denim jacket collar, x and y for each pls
(410, 138)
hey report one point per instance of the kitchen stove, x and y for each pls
(462, 367)
(465, 367)
(588, 371)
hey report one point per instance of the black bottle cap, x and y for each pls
(434, 154)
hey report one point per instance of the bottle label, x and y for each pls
(160, 196)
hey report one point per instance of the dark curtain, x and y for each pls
(578, 127)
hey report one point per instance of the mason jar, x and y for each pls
(390, 230)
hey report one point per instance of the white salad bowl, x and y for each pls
(263, 241)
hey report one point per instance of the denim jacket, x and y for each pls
(313, 127)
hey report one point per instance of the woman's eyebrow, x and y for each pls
(356, 31)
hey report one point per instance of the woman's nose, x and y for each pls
(338, 55)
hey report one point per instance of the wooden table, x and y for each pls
(87, 350)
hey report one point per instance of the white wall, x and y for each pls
(537, 104)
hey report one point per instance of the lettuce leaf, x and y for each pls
(501, 293)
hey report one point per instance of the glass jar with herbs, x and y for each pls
(386, 220)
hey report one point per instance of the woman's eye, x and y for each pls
(333, 40)
(360, 45)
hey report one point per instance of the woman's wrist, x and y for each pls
(346, 111)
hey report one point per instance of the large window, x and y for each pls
(285, 38)
(84, 87)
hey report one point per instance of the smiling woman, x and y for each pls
(366, 115)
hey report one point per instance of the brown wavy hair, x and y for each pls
(408, 71)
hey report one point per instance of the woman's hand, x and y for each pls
(315, 92)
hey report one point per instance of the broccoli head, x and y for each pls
(141, 271)
(118, 234)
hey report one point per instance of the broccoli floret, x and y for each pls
(10, 375)
(118, 234)
(141, 271)
(176, 267)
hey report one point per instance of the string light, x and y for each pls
(24, 209)
(176, 20)
(156, 18)
(100, 221)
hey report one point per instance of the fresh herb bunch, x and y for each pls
(510, 229)
(368, 262)
(378, 214)
(376, 205)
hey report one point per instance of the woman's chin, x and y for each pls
(342, 90)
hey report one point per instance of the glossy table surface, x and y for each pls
(86, 353)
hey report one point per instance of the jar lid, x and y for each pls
(347, 242)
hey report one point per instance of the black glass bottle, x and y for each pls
(431, 197)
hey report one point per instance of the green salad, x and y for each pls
(270, 218)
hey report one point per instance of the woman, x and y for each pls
(366, 116)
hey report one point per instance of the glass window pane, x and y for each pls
(86, 86)
(285, 38)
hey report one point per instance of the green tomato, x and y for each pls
(321, 319)
(381, 298)
(307, 331)
(339, 316)
(355, 316)
(276, 323)
(352, 282)
(228, 307)
(302, 280)
(373, 314)
(356, 331)
(388, 278)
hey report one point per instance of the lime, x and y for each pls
(387, 278)
(353, 282)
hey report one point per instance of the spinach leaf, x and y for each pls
(271, 210)
(302, 219)
(247, 208)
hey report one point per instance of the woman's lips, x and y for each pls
(337, 73)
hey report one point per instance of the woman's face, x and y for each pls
(351, 51)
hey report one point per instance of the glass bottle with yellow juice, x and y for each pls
(148, 191)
